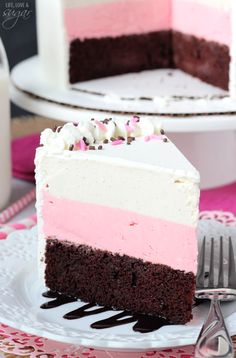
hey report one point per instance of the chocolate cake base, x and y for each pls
(121, 282)
(109, 56)
(206, 60)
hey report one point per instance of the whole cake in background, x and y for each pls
(117, 207)
(97, 38)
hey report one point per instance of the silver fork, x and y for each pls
(218, 283)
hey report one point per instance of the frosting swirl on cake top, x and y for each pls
(92, 134)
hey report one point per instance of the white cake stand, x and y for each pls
(208, 140)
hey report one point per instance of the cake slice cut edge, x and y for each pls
(117, 226)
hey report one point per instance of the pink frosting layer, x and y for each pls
(139, 16)
(118, 18)
(120, 231)
(212, 24)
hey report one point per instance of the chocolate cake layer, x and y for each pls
(121, 282)
(206, 60)
(95, 58)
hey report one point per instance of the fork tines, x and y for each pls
(216, 264)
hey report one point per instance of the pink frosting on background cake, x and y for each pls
(101, 38)
(121, 18)
(136, 17)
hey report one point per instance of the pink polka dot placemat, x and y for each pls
(22, 344)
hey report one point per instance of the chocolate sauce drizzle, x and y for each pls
(143, 323)
(60, 300)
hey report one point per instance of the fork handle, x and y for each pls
(214, 339)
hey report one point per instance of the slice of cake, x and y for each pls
(117, 211)
(98, 38)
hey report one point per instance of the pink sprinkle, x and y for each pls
(134, 120)
(155, 137)
(147, 138)
(101, 126)
(3, 235)
(81, 145)
(117, 142)
(18, 226)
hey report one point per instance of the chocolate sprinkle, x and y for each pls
(131, 139)
(71, 147)
(121, 138)
(57, 129)
(100, 147)
(92, 147)
(85, 140)
(105, 141)
(162, 131)
(113, 139)
(106, 121)
(165, 140)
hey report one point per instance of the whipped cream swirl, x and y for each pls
(97, 132)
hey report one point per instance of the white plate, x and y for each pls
(21, 297)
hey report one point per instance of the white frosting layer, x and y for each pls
(52, 42)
